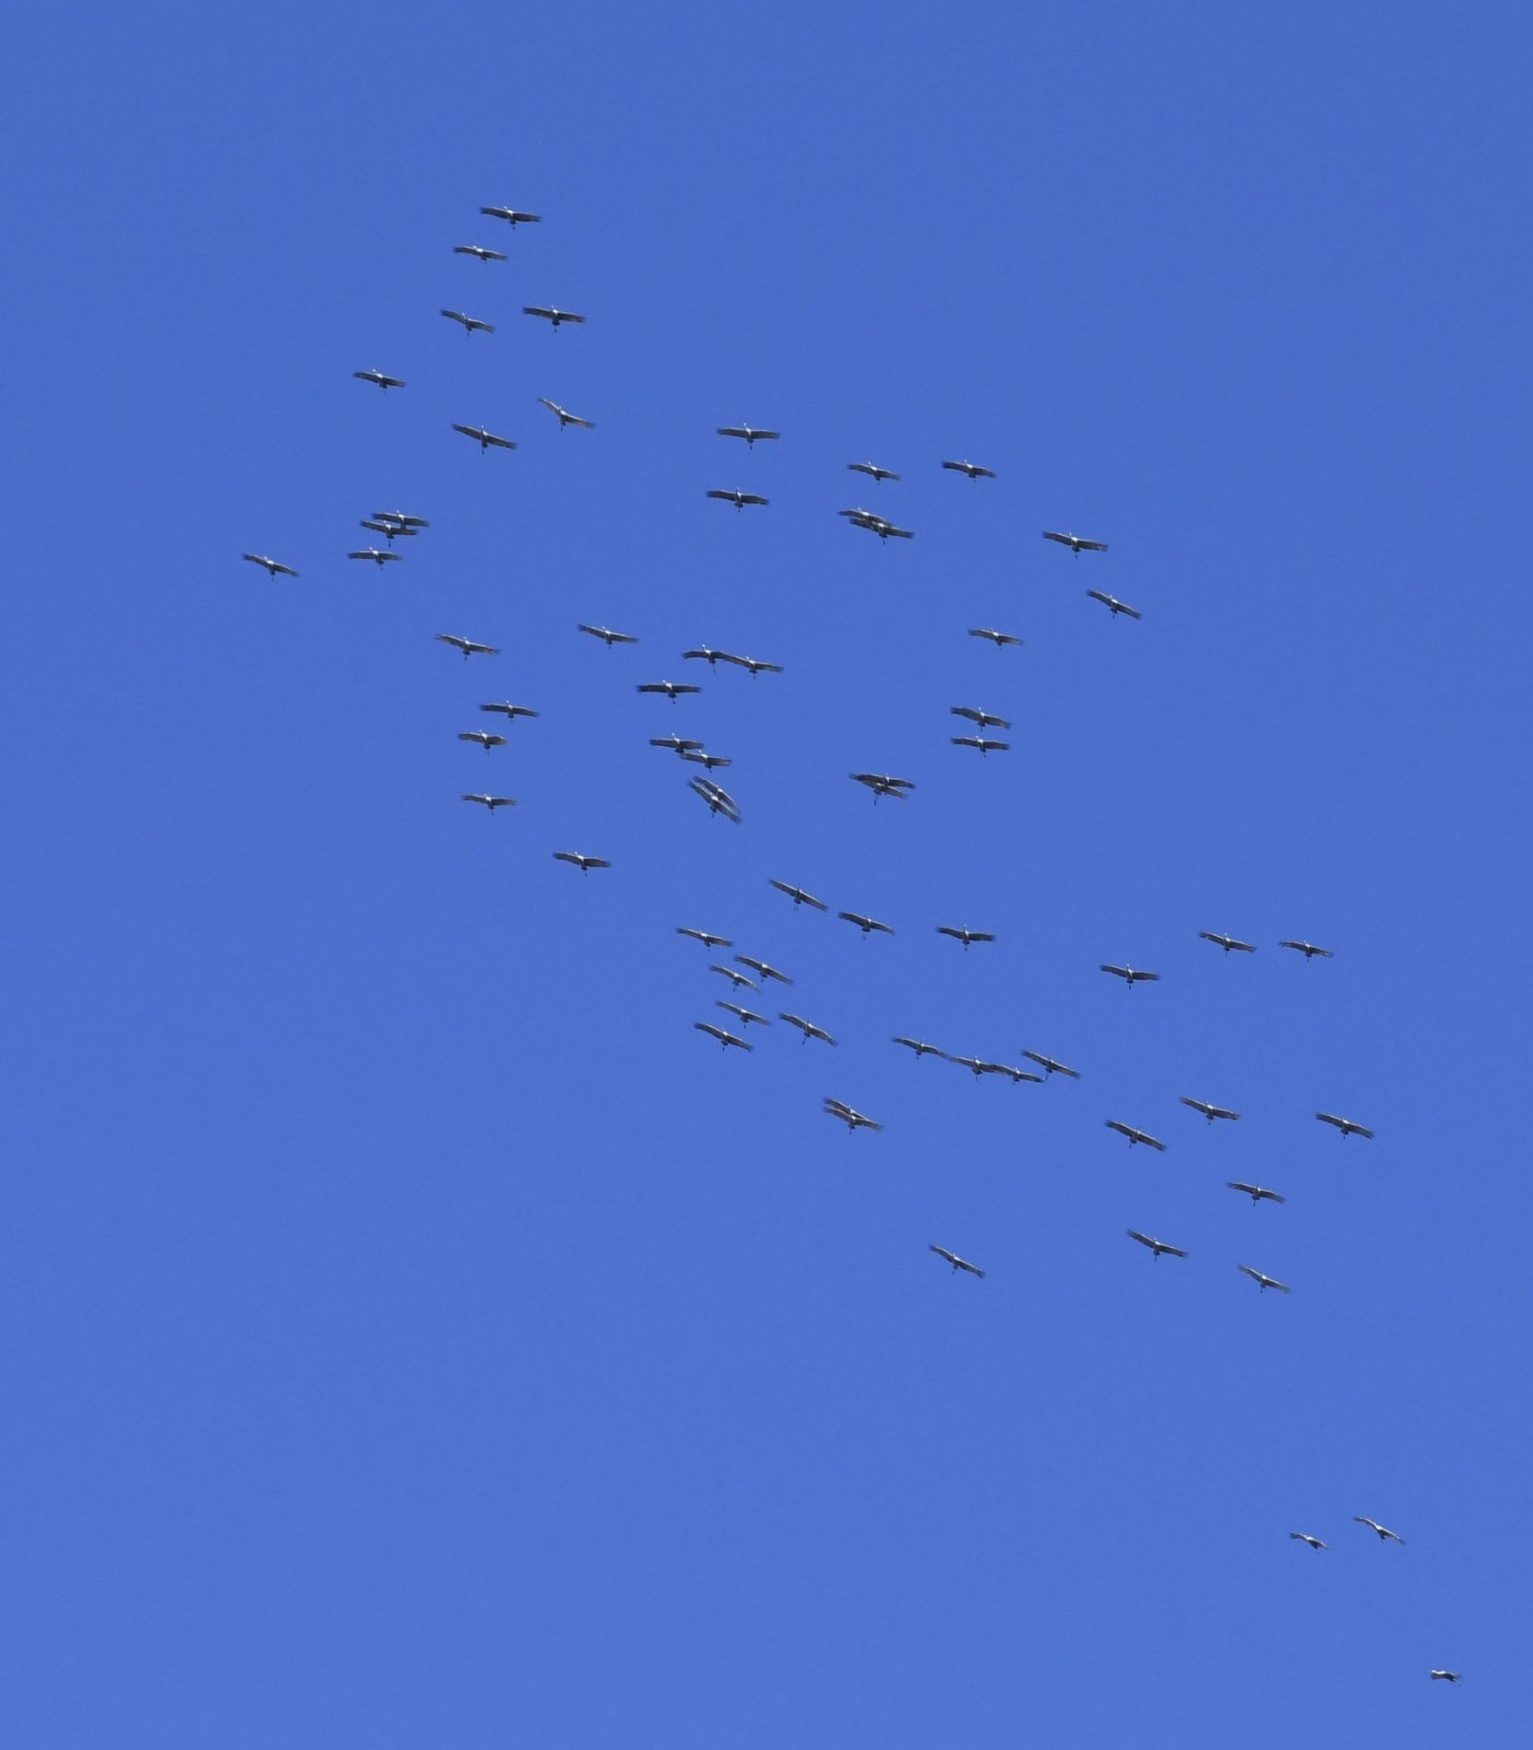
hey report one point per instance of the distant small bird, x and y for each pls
(272, 567)
(1227, 943)
(719, 801)
(707, 940)
(725, 1037)
(999, 639)
(976, 1066)
(972, 469)
(1263, 1283)
(551, 315)
(872, 470)
(799, 895)
(736, 979)
(746, 1016)
(378, 377)
(512, 217)
(466, 645)
(706, 653)
(1345, 1125)
(399, 518)
(1447, 1676)
(1051, 1066)
(1309, 950)
(672, 689)
(376, 554)
(1135, 1136)
(389, 531)
(1016, 1075)
(483, 738)
(1156, 1246)
(738, 499)
(486, 439)
(1076, 543)
(469, 323)
(1209, 1112)
(1384, 1533)
(957, 1262)
(963, 935)
(880, 526)
(984, 743)
(678, 744)
(1130, 975)
(607, 635)
(563, 414)
(478, 251)
(807, 1028)
(919, 1047)
(490, 802)
(1313, 1542)
(582, 863)
(867, 925)
(1113, 605)
(700, 757)
(755, 665)
(751, 433)
(762, 967)
(882, 783)
(850, 1116)
(985, 719)
(1257, 1193)
(504, 708)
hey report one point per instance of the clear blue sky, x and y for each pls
(413, 1331)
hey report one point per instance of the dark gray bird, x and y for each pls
(486, 440)
(1257, 1193)
(957, 1262)
(564, 416)
(807, 1028)
(504, 708)
(376, 554)
(1113, 605)
(388, 530)
(1305, 1537)
(865, 924)
(872, 470)
(877, 525)
(850, 1116)
(483, 738)
(378, 377)
(582, 863)
(466, 645)
(1076, 543)
(751, 433)
(1385, 1535)
(883, 783)
(707, 940)
(976, 1066)
(972, 469)
(1263, 1283)
(738, 499)
(678, 744)
(982, 742)
(761, 967)
(1016, 1075)
(551, 315)
(478, 251)
(722, 1035)
(999, 639)
(964, 936)
(706, 653)
(799, 895)
(470, 323)
(1345, 1125)
(1051, 1066)
(490, 802)
(985, 719)
(672, 689)
(1228, 943)
(1308, 950)
(919, 1047)
(1209, 1112)
(1130, 975)
(1156, 1246)
(736, 979)
(1135, 1136)
(272, 567)
(512, 217)
(746, 1016)
(1446, 1676)
(719, 801)
(607, 635)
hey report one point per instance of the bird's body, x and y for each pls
(467, 645)
(1305, 1537)
(478, 251)
(469, 323)
(972, 469)
(1385, 1535)
(807, 1028)
(867, 925)
(738, 499)
(752, 434)
(551, 315)
(761, 967)
(489, 802)
(985, 719)
(272, 567)
(964, 935)
(607, 635)
(1131, 975)
(483, 738)
(384, 381)
(583, 863)
(512, 217)
(1262, 1282)
(485, 438)
(850, 1116)
(564, 416)
(957, 1262)
(1228, 943)
(1308, 950)
(1076, 543)
(999, 639)
(799, 895)
(1345, 1125)
(872, 470)
(1257, 1193)
(1209, 1112)
(725, 1038)
(1135, 1136)
(1113, 605)
(1051, 1066)
(1157, 1247)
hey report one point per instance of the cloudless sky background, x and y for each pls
(414, 1332)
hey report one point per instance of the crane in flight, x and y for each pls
(753, 434)
(607, 635)
(1131, 975)
(512, 217)
(736, 979)
(583, 863)
(722, 1034)
(383, 381)
(1345, 1126)
(708, 940)
(483, 738)
(678, 744)
(761, 967)
(401, 520)
(957, 1262)
(883, 783)
(799, 895)
(489, 802)
(1209, 1112)
(504, 708)
(1262, 1282)
(376, 554)
(850, 1116)
(1135, 1136)
(1157, 1247)
(485, 438)
(972, 469)
(564, 416)
(478, 251)
(807, 1028)
(1385, 1535)
(551, 315)
(1306, 1537)
(389, 531)
(719, 800)
(1113, 605)
(999, 639)
(984, 743)
(745, 1016)
(706, 653)
(877, 525)
(866, 924)
(919, 1047)
(872, 470)
(1257, 1193)
(699, 756)
(964, 935)
(466, 645)
(1446, 1676)
(672, 689)
(1227, 943)
(754, 665)
(272, 567)
(469, 323)
(1309, 950)
(985, 719)
(1076, 543)
(1052, 1066)
(738, 499)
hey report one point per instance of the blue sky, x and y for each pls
(415, 1332)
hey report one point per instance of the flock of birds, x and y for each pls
(398, 528)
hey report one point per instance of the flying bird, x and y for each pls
(754, 664)
(1309, 950)
(401, 519)
(983, 743)
(1135, 1136)
(1130, 975)
(483, 737)
(807, 1028)
(1345, 1125)
(762, 967)
(985, 719)
(919, 1046)
(882, 783)
(1257, 1193)
(378, 377)
(467, 645)
(877, 525)
(738, 499)
(719, 801)
(478, 251)
(1446, 1676)
(972, 469)
(550, 314)
(565, 417)
(672, 689)
(964, 936)
(957, 1262)
(751, 433)
(582, 863)
(850, 1116)
(999, 639)
(872, 470)
(1305, 1537)
(976, 1066)
(486, 440)
(388, 530)
(1156, 1246)
(865, 924)
(1113, 605)
(470, 323)
(723, 1036)
(607, 635)
(1263, 1283)
(799, 896)
(736, 979)
(1227, 943)
(700, 757)
(272, 567)
(707, 940)
(678, 744)
(1385, 1534)
(1051, 1066)
(746, 1016)
(1076, 543)
(1008, 1069)
(376, 554)
(706, 653)
(512, 217)
(504, 708)
(1209, 1112)
(490, 802)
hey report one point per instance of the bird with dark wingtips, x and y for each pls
(799, 895)
(607, 635)
(807, 1028)
(1257, 1193)
(551, 315)
(850, 1116)
(467, 645)
(957, 1262)
(725, 1037)
(872, 470)
(1134, 1136)
(1113, 605)
(999, 639)
(512, 217)
(1209, 1112)
(1309, 950)
(376, 554)
(583, 863)
(564, 416)
(1131, 975)
(1158, 1248)
(752, 434)
(384, 382)
(482, 738)
(469, 323)
(972, 469)
(703, 936)
(478, 251)
(1345, 1126)
(867, 925)
(1052, 1066)
(1076, 543)
(272, 567)
(489, 802)
(738, 499)
(963, 935)
(1262, 1282)
(485, 438)
(1227, 943)
(1385, 1535)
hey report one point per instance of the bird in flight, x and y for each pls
(272, 567)
(378, 377)
(564, 416)
(1263, 1283)
(972, 469)
(703, 936)
(388, 530)
(865, 924)
(1384, 1533)
(470, 323)
(1130, 975)
(738, 499)
(1446, 1676)
(1305, 1537)
(1051, 1066)
(736, 979)
(672, 689)
(401, 520)
(706, 653)
(751, 433)
(1308, 950)
(489, 802)
(478, 251)
(1076, 543)
(1113, 605)
(582, 863)
(719, 800)
(762, 967)
(708, 761)
(607, 635)
(919, 1047)
(466, 645)
(1345, 1125)
(1007, 1069)
(984, 743)
(799, 896)
(723, 1036)
(999, 639)
(964, 936)
(807, 1028)
(883, 784)
(676, 743)
(550, 314)
(483, 738)
(755, 665)
(957, 1262)
(746, 1016)
(504, 708)
(486, 440)
(1257, 1193)
(877, 525)
(376, 554)
(985, 719)
(1227, 943)
(976, 1066)
(1135, 1136)
(872, 470)
(1209, 1112)
(1156, 1246)
(512, 217)
(850, 1116)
